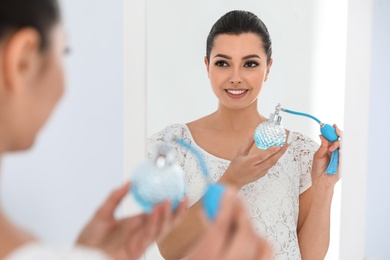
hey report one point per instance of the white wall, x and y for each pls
(378, 176)
(365, 207)
(53, 189)
(355, 143)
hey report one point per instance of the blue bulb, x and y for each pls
(212, 200)
(329, 132)
(152, 185)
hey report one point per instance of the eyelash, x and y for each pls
(253, 64)
(67, 51)
(221, 63)
(248, 64)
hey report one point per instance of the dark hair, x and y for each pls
(238, 22)
(41, 15)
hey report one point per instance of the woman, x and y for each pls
(287, 195)
(31, 83)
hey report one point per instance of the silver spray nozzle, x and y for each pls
(275, 117)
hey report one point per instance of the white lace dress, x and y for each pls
(272, 201)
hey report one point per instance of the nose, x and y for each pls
(236, 81)
(236, 78)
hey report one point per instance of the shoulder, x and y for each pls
(178, 130)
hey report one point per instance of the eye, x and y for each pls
(221, 63)
(67, 50)
(251, 64)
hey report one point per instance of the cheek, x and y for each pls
(257, 77)
(51, 89)
(56, 81)
(218, 77)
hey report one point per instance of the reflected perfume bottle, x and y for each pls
(270, 133)
(158, 179)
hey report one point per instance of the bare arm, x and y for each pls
(314, 233)
(315, 205)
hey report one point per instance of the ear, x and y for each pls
(268, 69)
(21, 59)
(206, 62)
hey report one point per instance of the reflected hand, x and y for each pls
(321, 160)
(248, 167)
(231, 236)
(127, 238)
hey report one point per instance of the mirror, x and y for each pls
(308, 73)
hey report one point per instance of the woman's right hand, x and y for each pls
(231, 236)
(248, 167)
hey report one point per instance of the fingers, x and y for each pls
(141, 236)
(337, 144)
(109, 206)
(271, 155)
(246, 146)
(226, 210)
(242, 236)
(231, 236)
(338, 131)
(182, 207)
(324, 148)
(179, 212)
(213, 243)
(165, 221)
(334, 146)
(264, 250)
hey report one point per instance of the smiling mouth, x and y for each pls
(235, 91)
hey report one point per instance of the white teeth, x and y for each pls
(236, 92)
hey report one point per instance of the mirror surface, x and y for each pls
(308, 72)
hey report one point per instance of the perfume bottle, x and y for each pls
(158, 179)
(270, 133)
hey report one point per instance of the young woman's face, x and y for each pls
(237, 69)
(42, 91)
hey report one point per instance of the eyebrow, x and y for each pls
(243, 58)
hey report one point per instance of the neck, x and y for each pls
(238, 119)
(11, 237)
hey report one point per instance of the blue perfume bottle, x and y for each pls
(161, 179)
(270, 133)
(158, 179)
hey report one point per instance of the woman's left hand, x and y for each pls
(129, 237)
(321, 160)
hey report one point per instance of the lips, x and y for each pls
(236, 93)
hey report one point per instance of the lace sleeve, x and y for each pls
(160, 137)
(304, 153)
(195, 181)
